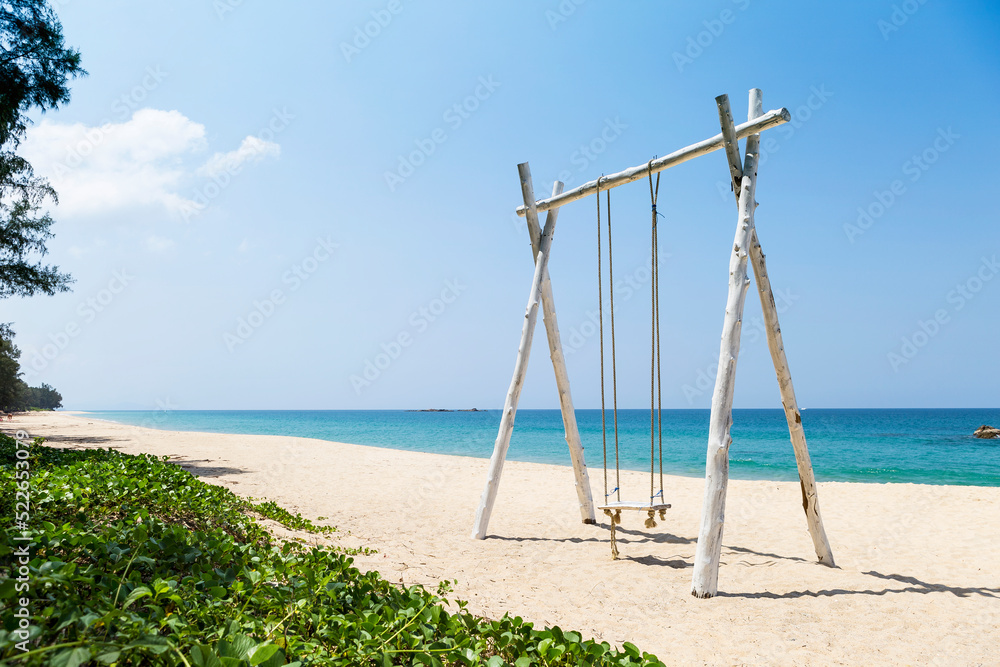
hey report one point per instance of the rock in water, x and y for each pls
(987, 432)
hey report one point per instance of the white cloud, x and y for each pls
(159, 243)
(252, 150)
(147, 161)
(94, 245)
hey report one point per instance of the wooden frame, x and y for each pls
(706, 568)
(541, 289)
(746, 252)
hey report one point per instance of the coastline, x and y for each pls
(916, 579)
(858, 445)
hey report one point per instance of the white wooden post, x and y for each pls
(706, 564)
(559, 365)
(807, 478)
(520, 365)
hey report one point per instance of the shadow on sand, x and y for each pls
(913, 585)
(80, 441)
(206, 468)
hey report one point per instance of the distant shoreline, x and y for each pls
(877, 446)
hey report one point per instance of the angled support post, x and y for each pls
(583, 492)
(521, 364)
(705, 581)
(807, 478)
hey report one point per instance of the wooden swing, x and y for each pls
(613, 508)
(745, 253)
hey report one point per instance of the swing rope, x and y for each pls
(654, 193)
(655, 373)
(614, 369)
(600, 310)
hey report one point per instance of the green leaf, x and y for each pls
(231, 628)
(70, 658)
(262, 653)
(137, 593)
(161, 587)
(108, 657)
(154, 643)
(202, 656)
(238, 646)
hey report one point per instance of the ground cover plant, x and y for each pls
(135, 561)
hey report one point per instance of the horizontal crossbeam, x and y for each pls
(765, 122)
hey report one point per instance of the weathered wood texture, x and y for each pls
(570, 427)
(756, 126)
(706, 564)
(731, 143)
(807, 478)
(520, 365)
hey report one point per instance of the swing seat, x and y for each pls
(614, 510)
(638, 506)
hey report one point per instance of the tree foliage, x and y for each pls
(35, 64)
(13, 390)
(24, 229)
(35, 68)
(44, 398)
(15, 395)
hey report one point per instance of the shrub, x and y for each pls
(134, 561)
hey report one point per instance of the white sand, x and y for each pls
(918, 580)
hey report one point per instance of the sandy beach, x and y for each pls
(917, 582)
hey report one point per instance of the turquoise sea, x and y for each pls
(920, 446)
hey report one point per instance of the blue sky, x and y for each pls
(257, 202)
